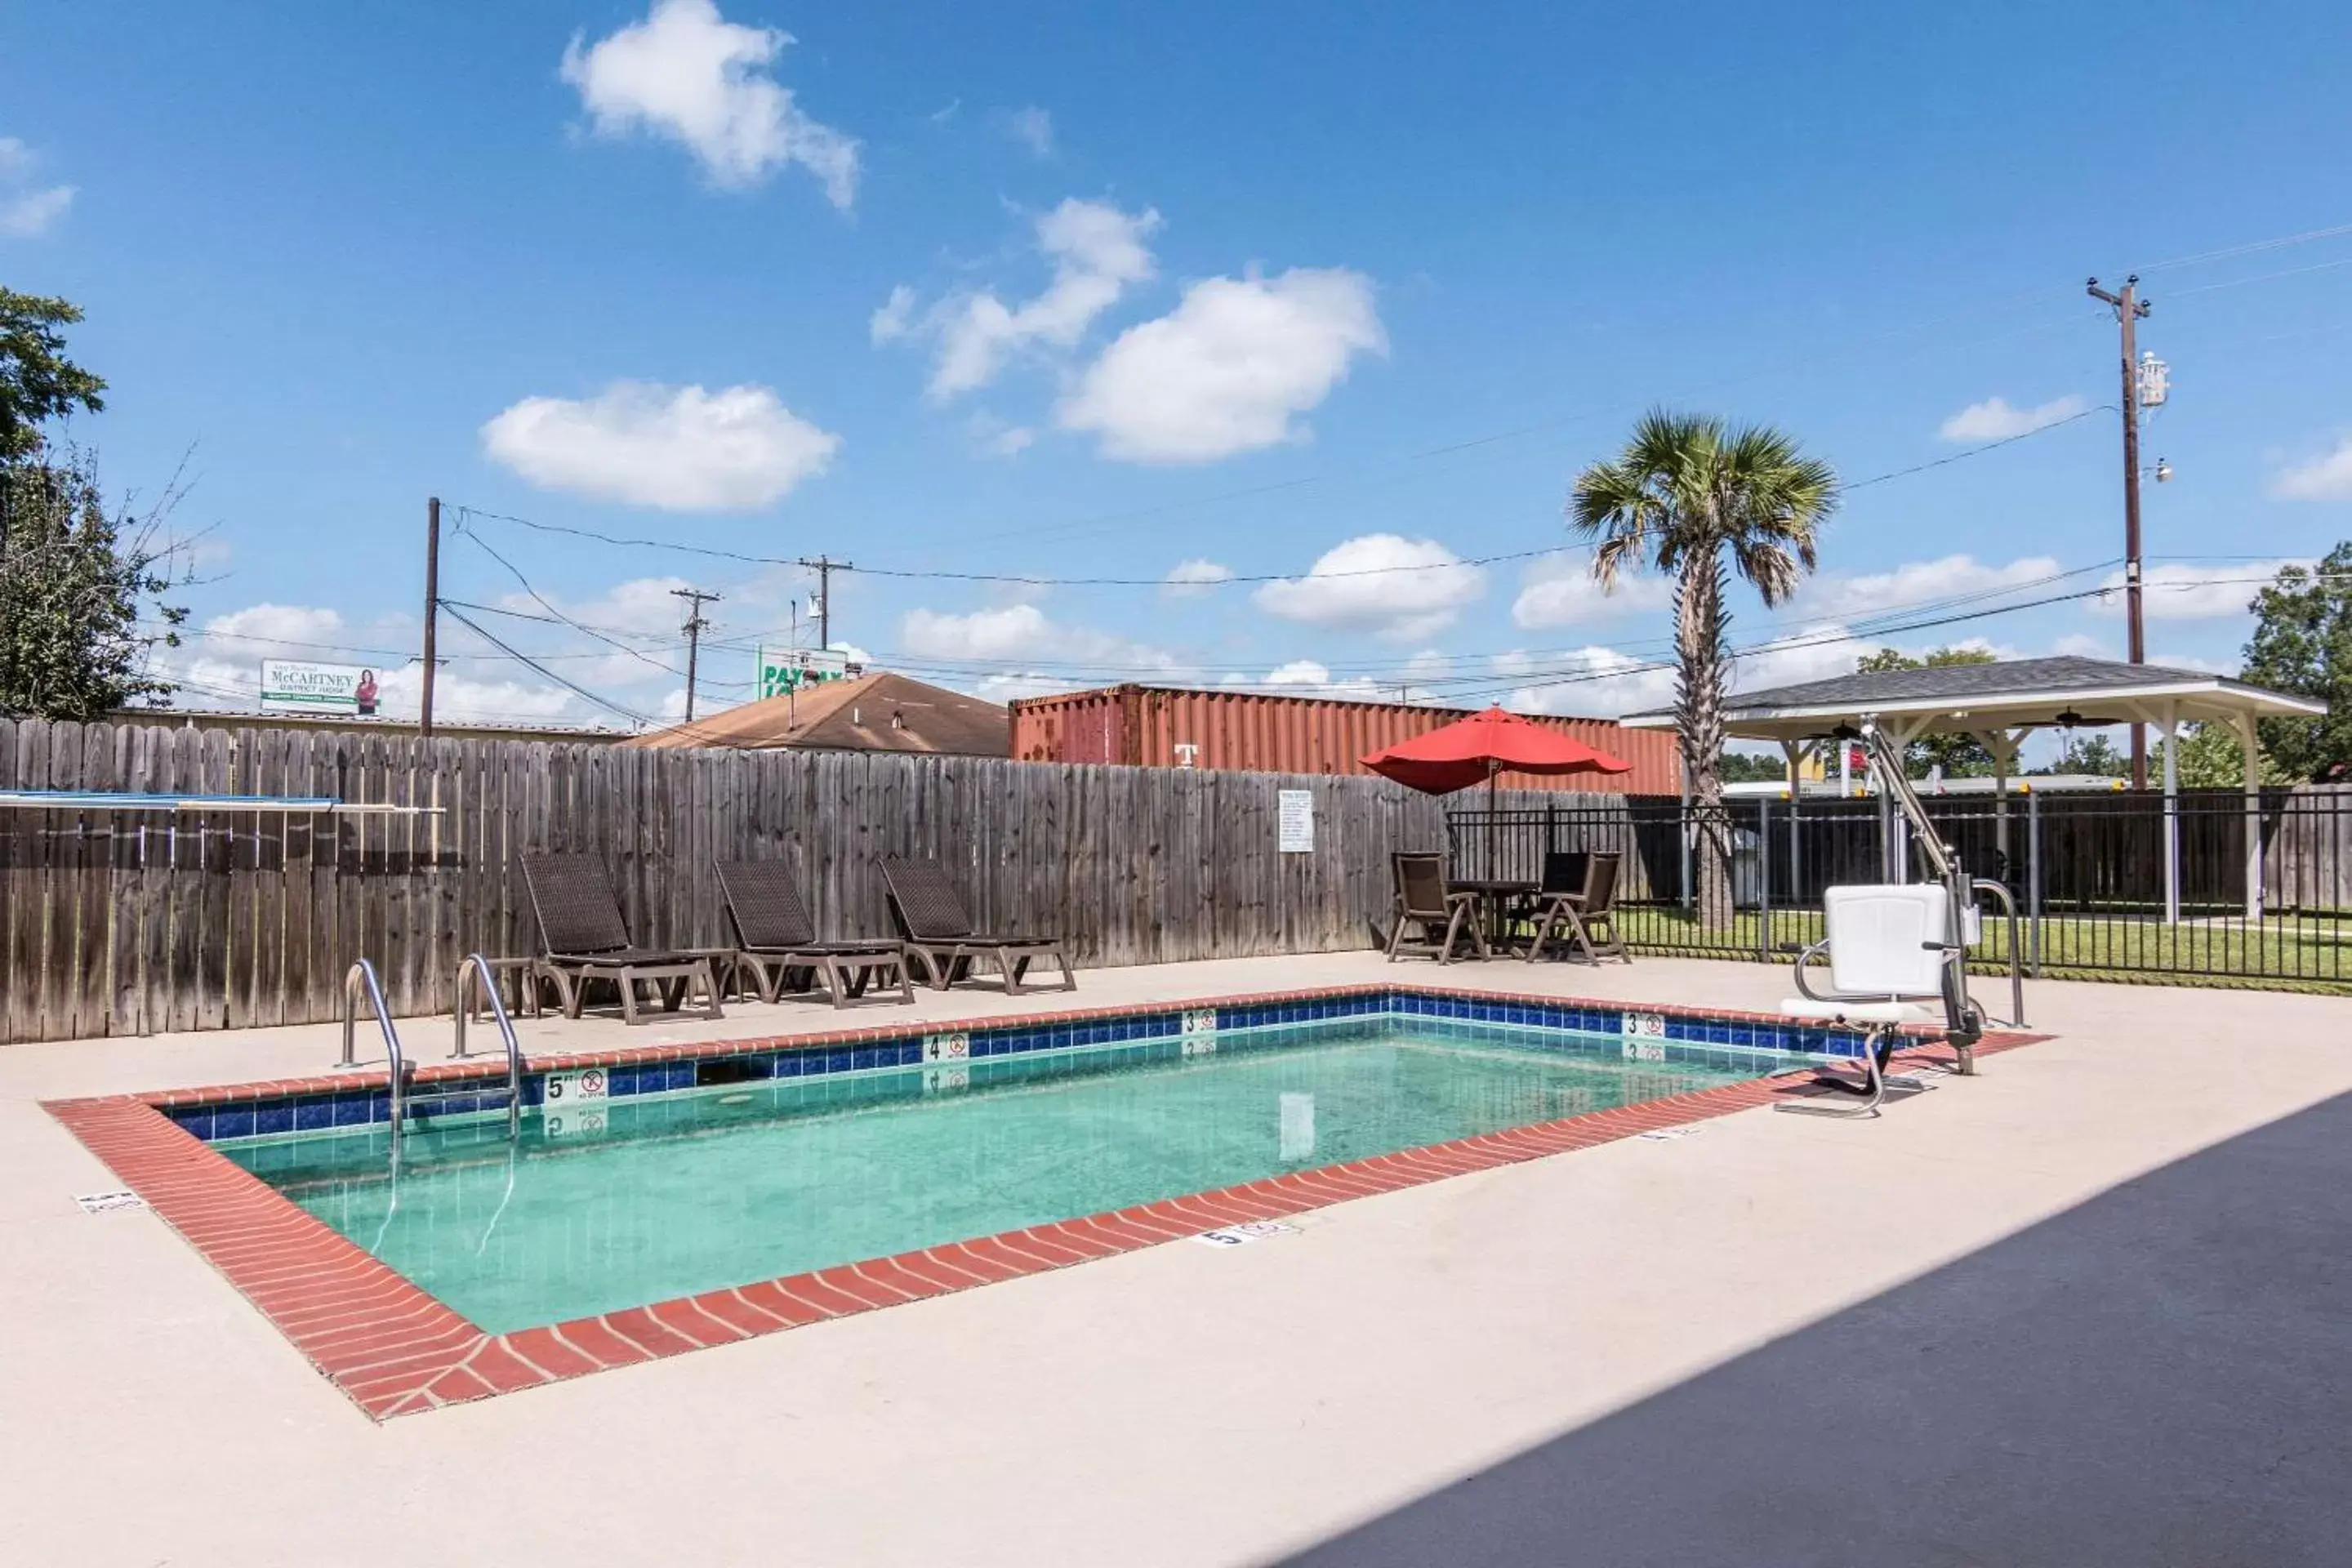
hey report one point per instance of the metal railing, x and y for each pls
(476, 968)
(2260, 896)
(362, 973)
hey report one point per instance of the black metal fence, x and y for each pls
(2103, 883)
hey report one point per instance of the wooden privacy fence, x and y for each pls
(134, 922)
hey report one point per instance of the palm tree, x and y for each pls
(1694, 500)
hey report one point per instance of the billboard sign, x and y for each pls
(790, 669)
(293, 686)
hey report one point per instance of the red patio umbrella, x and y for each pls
(1474, 750)
(1480, 747)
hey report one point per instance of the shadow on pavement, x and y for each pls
(2162, 1376)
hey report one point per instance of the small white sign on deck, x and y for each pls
(1242, 1234)
(103, 1203)
(1295, 821)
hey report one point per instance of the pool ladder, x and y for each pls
(406, 1093)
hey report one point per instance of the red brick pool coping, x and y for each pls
(396, 1349)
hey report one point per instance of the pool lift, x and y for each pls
(1897, 952)
(406, 1094)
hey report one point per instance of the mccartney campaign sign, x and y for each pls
(291, 686)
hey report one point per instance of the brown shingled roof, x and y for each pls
(878, 712)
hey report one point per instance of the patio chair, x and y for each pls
(1590, 910)
(1422, 901)
(583, 938)
(940, 937)
(776, 941)
(1890, 964)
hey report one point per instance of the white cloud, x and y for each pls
(996, 439)
(1189, 579)
(294, 631)
(1097, 251)
(678, 448)
(2188, 591)
(687, 74)
(1313, 679)
(1560, 591)
(1033, 129)
(1230, 369)
(1401, 589)
(2325, 477)
(1995, 419)
(893, 318)
(1914, 581)
(1816, 653)
(26, 211)
(1065, 657)
(1593, 682)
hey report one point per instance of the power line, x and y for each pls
(1975, 451)
(572, 686)
(1033, 581)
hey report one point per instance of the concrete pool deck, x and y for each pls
(1181, 1403)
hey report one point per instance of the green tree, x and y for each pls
(38, 383)
(2093, 753)
(2303, 644)
(1753, 767)
(74, 578)
(1696, 500)
(1961, 756)
(73, 582)
(2212, 758)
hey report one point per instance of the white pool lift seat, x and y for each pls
(1891, 963)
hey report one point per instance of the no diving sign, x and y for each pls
(581, 1084)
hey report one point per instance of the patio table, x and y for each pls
(1495, 896)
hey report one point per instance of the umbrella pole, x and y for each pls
(1493, 826)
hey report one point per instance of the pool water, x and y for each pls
(674, 1195)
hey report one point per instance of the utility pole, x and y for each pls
(432, 610)
(825, 569)
(694, 626)
(2129, 309)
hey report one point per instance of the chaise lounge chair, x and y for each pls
(777, 940)
(1579, 902)
(1445, 918)
(940, 935)
(583, 938)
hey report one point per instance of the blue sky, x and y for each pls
(970, 289)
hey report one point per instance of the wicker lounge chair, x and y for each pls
(1445, 918)
(940, 939)
(776, 941)
(1580, 915)
(582, 938)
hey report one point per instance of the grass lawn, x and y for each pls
(2285, 952)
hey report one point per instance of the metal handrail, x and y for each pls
(364, 972)
(2016, 959)
(474, 966)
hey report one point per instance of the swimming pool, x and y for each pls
(697, 1189)
(663, 1198)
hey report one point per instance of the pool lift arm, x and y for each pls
(1963, 1021)
(1880, 1015)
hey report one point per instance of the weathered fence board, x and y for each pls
(120, 923)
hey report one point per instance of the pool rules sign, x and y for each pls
(1295, 821)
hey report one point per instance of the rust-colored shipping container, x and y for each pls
(1251, 731)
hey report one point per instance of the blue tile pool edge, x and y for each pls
(1680, 1035)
